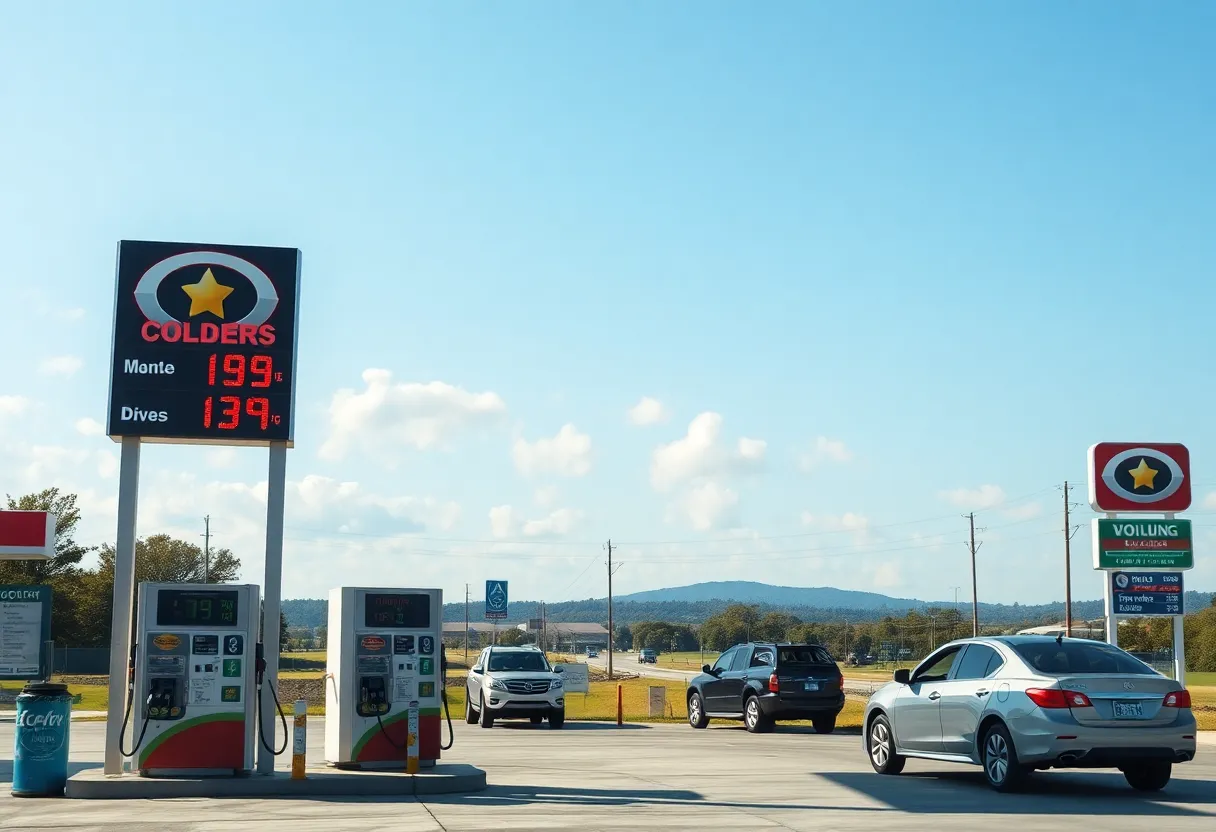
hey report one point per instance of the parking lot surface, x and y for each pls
(593, 776)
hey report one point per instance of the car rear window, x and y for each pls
(803, 655)
(1069, 658)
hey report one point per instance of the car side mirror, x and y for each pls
(477, 669)
(903, 676)
(707, 669)
(559, 670)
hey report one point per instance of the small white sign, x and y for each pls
(575, 678)
(403, 688)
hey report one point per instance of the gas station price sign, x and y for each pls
(204, 345)
(197, 608)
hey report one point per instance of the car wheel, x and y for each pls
(1000, 759)
(470, 715)
(696, 711)
(754, 718)
(487, 719)
(881, 746)
(1148, 777)
(824, 724)
(557, 718)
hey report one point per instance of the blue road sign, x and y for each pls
(1147, 593)
(496, 600)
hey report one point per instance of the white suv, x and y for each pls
(514, 683)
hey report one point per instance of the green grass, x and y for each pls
(690, 660)
(1201, 680)
(91, 697)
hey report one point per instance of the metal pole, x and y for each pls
(207, 549)
(466, 625)
(1067, 567)
(1179, 651)
(124, 599)
(1112, 623)
(611, 632)
(975, 595)
(272, 594)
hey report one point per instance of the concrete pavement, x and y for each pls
(593, 776)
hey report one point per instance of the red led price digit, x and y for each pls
(259, 408)
(211, 372)
(207, 408)
(234, 365)
(232, 412)
(260, 365)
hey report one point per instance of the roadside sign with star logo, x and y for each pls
(1139, 477)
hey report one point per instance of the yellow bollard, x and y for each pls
(411, 748)
(299, 740)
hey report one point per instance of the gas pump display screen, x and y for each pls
(196, 608)
(391, 609)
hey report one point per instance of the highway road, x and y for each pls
(628, 662)
(595, 776)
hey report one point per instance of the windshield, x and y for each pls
(803, 655)
(1069, 658)
(518, 661)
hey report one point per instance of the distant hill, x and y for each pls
(751, 592)
(694, 603)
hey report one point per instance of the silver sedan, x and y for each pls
(1016, 704)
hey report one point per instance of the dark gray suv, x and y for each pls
(762, 684)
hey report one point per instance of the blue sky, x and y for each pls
(877, 267)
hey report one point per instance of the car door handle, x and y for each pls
(981, 693)
(933, 697)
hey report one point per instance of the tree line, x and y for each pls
(909, 637)
(82, 597)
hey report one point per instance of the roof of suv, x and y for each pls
(523, 648)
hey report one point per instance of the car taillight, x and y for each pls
(1056, 698)
(1177, 699)
(840, 682)
(773, 686)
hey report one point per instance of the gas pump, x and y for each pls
(384, 653)
(193, 685)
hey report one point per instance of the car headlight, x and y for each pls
(556, 684)
(497, 685)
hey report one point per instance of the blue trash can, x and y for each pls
(40, 758)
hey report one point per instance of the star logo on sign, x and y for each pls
(207, 295)
(1142, 475)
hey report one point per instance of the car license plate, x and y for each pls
(811, 685)
(1129, 710)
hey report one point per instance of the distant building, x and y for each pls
(566, 637)
(1080, 629)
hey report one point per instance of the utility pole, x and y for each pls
(975, 595)
(466, 625)
(207, 549)
(611, 632)
(1067, 568)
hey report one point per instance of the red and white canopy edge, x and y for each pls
(27, 535)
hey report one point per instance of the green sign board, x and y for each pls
(25, 629)
(1143, 544)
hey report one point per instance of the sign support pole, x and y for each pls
(272, 589)
(1179, 651)
(124, 599)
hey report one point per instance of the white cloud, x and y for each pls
(708, 506)
(502, 521)
(13, 405)
(107, 464)
(825, 450)
(986, 496)
(1209, 502)
(700, 454)
(506, 522)
(385, 415)
(850, 521)
(348, 506)
(648, 412)
(61, 365)
(546, 497)
(886, 575)
(90, 427)
(221, 457)
(558, 523)
(567, 454)
(1026, 511)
